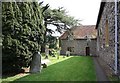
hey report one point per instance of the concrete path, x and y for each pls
(99, 71)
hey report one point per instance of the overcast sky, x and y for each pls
(85, 10)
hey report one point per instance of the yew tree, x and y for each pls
(22, 34)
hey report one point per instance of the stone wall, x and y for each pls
(107, 53)
(79, 46)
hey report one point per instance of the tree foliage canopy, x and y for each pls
(59, 18)
(23, 29)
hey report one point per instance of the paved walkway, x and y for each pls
(99, 72)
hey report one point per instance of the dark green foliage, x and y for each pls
(52, 41)
(60, 19)
(22, 28)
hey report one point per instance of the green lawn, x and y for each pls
(78, 68)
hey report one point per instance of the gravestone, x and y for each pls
(58, 53)
(46, 51)
(35, 65)
(67, 53)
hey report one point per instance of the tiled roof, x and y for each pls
(80, 32)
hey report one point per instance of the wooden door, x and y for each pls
(87, 51)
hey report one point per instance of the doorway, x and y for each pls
(87, 51)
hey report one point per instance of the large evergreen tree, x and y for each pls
(22, 28)
(59, 18)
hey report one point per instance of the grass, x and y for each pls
(15, 77)
(114, 78)
(77, 68)
(12, 78)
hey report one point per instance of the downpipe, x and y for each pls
(116, 40)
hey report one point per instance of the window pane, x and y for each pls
(106, 34)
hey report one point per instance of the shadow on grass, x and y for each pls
(6, 75)
(78, 68)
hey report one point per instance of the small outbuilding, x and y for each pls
(79, 40)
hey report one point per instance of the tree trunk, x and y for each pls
(44, 42)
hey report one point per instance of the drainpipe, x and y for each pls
(116, 39)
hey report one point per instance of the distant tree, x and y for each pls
(52, 41)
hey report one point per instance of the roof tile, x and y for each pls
(80, 32)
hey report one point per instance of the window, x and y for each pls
(106, 34)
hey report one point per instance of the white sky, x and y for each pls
(85, 10)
